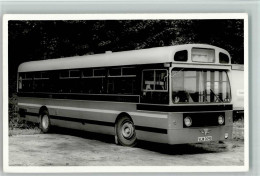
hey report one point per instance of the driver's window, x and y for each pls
(155, 80)
(161, 80)
(155, 86)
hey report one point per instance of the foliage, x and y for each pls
(12, 110)
(14, 120)
(238, 129)
(36, 40)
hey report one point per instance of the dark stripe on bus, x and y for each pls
(32, 114)
(79, 96)
(74, 119)
(95, 122)
(151, 129)
(184, 108)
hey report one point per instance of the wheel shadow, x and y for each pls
(178, 149)
(83, 134)
(183, 149)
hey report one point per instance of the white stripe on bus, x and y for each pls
(28, 104)
(96, 110)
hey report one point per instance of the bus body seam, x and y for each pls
(97, 110)
(96, 122)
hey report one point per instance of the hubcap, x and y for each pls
(45, 121)
(127, 130)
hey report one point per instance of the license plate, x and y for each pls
(205, 138)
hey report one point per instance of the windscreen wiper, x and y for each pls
(189, 96)
(216, 96)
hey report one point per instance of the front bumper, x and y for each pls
(192, 135)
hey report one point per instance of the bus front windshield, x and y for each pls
(200, 86)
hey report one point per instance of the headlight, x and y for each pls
(220, 120)
(187, 121)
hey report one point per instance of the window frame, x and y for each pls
(221, 53)
(25, 76)
(154, 90)
(69, 77)
(74, 76)
(121, 71)
(61, 77)
(207, 69)
(128, 75)
(179, 60)
(99, 69)
(41, 77)
(82, 73)
(210, 49)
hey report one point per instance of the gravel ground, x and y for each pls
(75, 148)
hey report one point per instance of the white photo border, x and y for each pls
(121, 169)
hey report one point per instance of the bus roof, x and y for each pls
(238, 67)
(133, 57)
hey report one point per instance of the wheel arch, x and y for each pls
(123, 114)
(43, 108)
(42, 111)
(118, 138)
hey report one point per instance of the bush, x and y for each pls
(13, 114)
(14, 120)
(238, 129)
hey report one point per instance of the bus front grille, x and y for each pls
(203, 119)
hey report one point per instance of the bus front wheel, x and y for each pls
(125, 132)
(45, 124)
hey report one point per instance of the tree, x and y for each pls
(37, 40)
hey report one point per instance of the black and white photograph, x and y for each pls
(148, 92)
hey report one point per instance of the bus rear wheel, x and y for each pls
(45, 124)
(125, 132)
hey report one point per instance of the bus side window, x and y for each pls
(148, 80)
(20, 83)
(27, 82)
(121, 80)
(121, 85)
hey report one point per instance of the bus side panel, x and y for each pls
(151, 126)
(31, 111)
(75, 114)
(152, 137)
(237, 87)
(100, 116)
(83, 126)
(191, 135)
(86, 116)
(101, 122)
(179, 135)
(33, 119)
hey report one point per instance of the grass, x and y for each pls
(18, 126)
(239, 123)
(238, 129)
(19, 131)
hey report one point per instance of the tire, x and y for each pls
(125, 132)
(45, 124)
